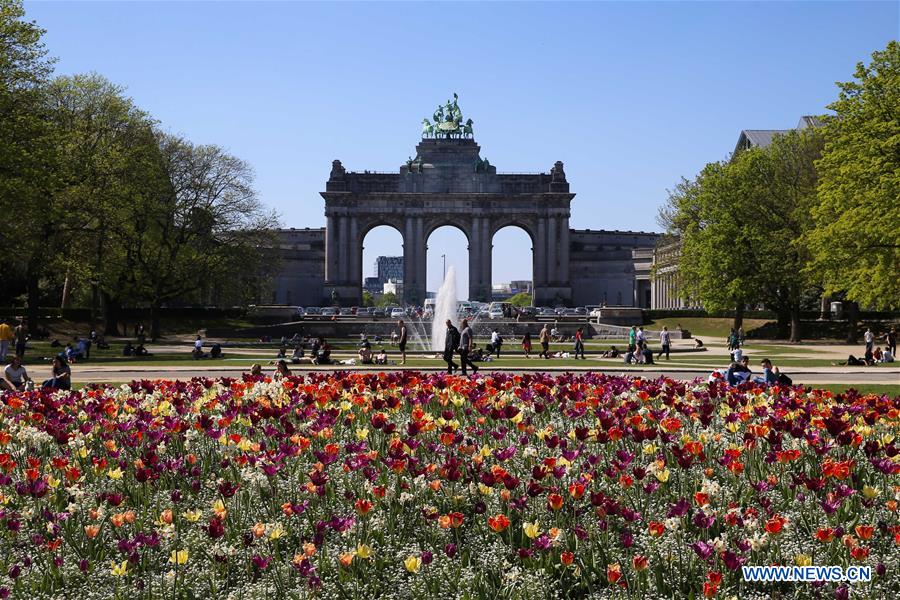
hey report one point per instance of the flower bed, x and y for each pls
(424, 486)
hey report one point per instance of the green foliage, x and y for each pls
(386, 300)
(741, 225)
(27, 152)
(520, 299)
(856, 242)
(367, 299)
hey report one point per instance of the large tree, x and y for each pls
(27, 151)
(101, 137)
(741, 223)
(197, 225)
(856, 240)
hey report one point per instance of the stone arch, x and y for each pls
(458, 248)
(364, 227)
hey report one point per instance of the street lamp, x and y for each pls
(444, 274)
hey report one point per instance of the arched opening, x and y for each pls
(512, 265)
(382, 266)
(447, 246)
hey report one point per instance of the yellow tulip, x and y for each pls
(115, 473)
(803, 560)
(532, 530)
(413, 564)
(178, 557)
(120, 570)
(364, 551)
(870, 493)
(663, 476)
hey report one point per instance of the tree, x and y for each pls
(386, 300)
(520, 299)
(855, 244)
(742, 223)
(367, 299)
(27, 152)
(102, 138)
(196, 225)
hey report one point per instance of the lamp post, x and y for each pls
(444, 275)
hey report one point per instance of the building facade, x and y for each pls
(449, 183)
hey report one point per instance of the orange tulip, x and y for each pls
(91, 531)
(555, 501)
(498, 522)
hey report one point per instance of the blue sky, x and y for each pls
(631, 96)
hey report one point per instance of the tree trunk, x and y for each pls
(783, 323)
(154, 320)
(34, 298)
(795, 322)
(110, 315)
(738, 317)
(851, 309)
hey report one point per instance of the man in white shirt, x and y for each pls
(869, 337)
(14, 376)
(665, 342)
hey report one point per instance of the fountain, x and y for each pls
(444, 308)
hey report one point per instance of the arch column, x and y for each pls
(413, 261)
(480, 255)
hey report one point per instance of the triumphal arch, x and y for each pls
(447, 183)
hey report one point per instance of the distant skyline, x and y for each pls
(631, 96)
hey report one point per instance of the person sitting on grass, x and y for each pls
(128, 349)
(197, 352)
(141, 351)
(739, 371)
(323, 353)
(772, 375)
(281, 370)
(297, 354)
(381, 358)
(611, 353)
(62, 375)
(629, 356)
(877, 354)
(647, 353)
(887, 356)
(216, 351)
(282, 352)
(15, 377)
(256, 370)
(698, 343)
(365, 353)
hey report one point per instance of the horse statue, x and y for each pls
(427, 128)
(467, 129)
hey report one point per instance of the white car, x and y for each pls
(329, 312)
(398, 313)
(496, 313)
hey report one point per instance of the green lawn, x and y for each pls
(704, 327)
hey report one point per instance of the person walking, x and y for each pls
(526, 344)
(665, 341)
(579, 343)
(632, 338)
(890, 340)
(20, 336)
(6, 338)
(451, 343)
(544, 338)
(496, 342)
(401, 343)
(466, 343)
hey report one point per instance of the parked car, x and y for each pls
(329, 311)
(398, 313)
(547, 312)
(300, 312)
(528, 311)
(496, 313)
(378, 313)
(595, 313)
(346, 312)
(313, 311)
